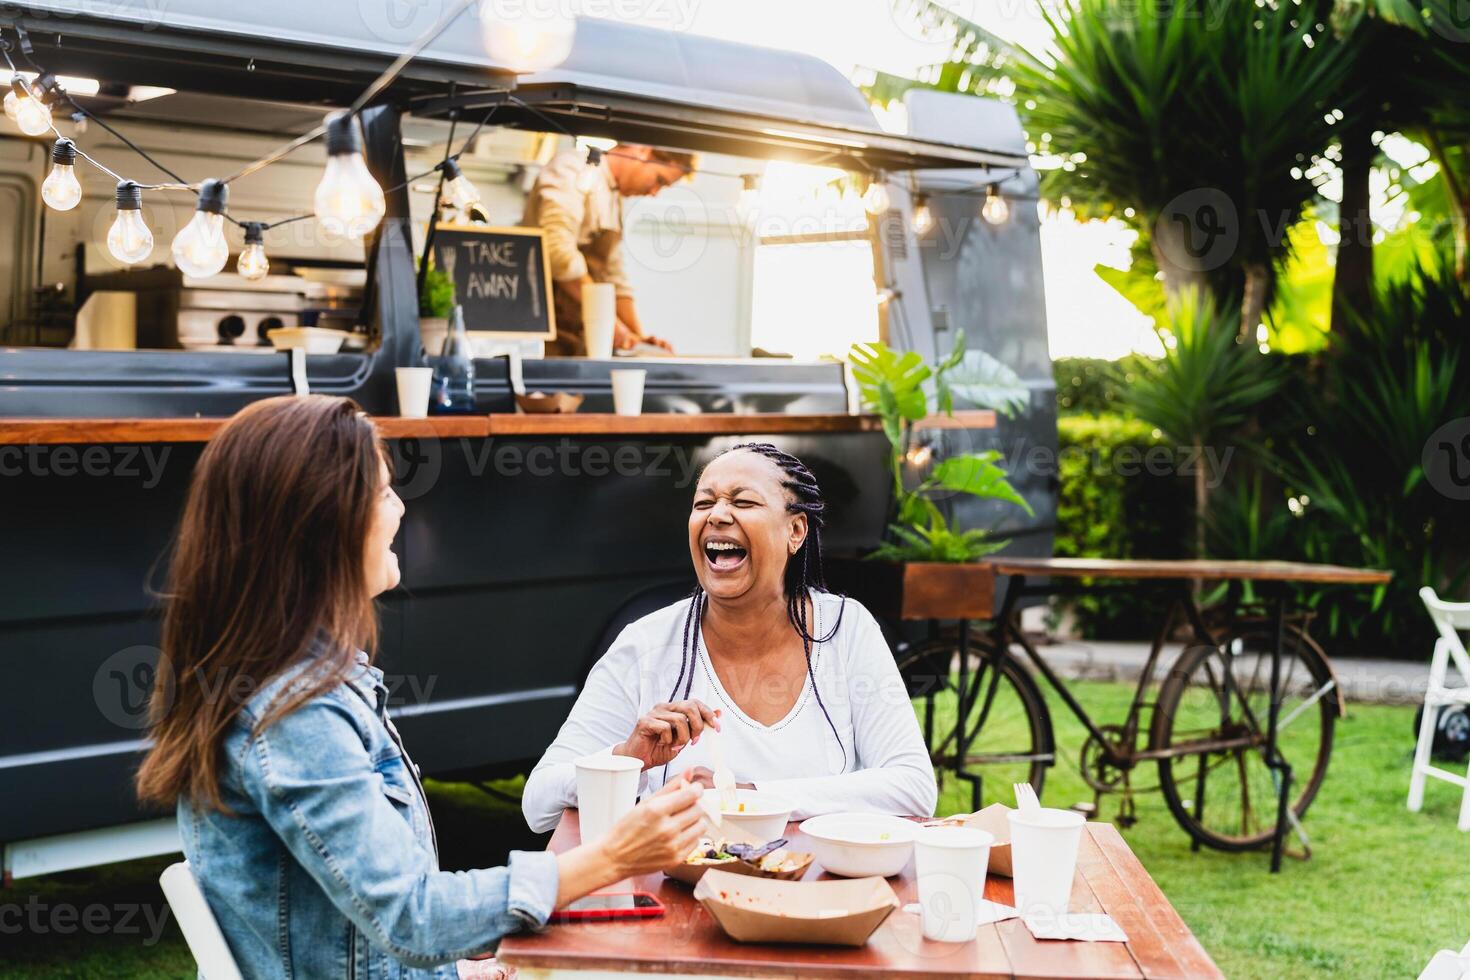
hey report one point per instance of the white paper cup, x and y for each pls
(627, 388)
(950, 863)
(413, 391)
(1044, 858)
(607, 789)
(599, 318)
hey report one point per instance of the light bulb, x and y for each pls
(129, 239)
(13, 97)
(61, 189)
(995, 209)
(458, 191)
(348, 201)
(200, 249)
(32, 116)
(253, 264)
(875, 198)
(530, 41)
(923, 217)
(589, 175)
(750, 197)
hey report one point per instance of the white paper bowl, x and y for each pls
(856, 845)
(764, 819)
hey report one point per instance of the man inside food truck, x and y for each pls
(578, 201)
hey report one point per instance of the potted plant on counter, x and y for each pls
(926, 567)
(436, 303)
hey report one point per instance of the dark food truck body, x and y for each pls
(529, 541)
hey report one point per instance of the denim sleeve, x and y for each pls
(316, 785)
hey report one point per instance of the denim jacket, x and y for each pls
(328, 866)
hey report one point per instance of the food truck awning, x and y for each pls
(621, 81)
(293, 50)
(671, 88)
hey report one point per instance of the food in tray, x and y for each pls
(770, 858)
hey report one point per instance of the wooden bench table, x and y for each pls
(686, 941)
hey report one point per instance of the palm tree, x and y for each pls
(1198, 117)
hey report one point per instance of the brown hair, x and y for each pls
(267, 569)
(683, 159)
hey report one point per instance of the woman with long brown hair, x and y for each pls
(300, 812)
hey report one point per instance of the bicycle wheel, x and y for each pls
(1212, 717)
(1008, 725)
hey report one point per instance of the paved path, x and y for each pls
(1364, 681)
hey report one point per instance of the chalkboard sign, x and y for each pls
(501, 276)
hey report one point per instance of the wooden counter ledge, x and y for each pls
(26, 432)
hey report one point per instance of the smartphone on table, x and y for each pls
(602, 906)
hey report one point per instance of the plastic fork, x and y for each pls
(724, 778)
(1026, 797)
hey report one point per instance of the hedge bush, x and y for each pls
(1112, 504)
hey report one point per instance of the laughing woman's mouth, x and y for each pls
(724, 555)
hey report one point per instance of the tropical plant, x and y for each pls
(902, 390)
(1193, 121)
(1203, 388)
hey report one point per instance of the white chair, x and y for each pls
(198, 924)
(1449, 618)
(1448, 965)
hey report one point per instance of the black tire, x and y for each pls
(1196, 703)
(1011, 743)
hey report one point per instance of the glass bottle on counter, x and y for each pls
(454, 371)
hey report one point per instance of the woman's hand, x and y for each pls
(662, 734)
(659, 833)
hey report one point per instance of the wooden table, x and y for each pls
(687, 942)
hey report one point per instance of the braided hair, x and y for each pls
(803, 574)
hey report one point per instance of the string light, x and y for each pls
(200, 249)
(129, 239)
(61, 189)
(589, 176)
(750, 196)
(458, 191)
(995, 209)
(253, 264)
(875, 199)
(32, 114)
(348, 201)
(923, 217)
(533, 41)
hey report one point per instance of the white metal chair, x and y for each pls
(1448, 965)
(1449, 618)
(196, 921)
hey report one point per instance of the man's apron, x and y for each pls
(571, 333)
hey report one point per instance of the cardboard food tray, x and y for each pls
(690, 874)
(843, 912)
(994, 820)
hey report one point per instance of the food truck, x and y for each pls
(529, 540)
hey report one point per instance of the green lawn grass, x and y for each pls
(1384, 888)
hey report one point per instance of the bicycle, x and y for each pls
(1235, 764)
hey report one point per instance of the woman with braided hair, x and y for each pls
(797, 683)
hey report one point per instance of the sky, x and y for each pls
(1086, 317)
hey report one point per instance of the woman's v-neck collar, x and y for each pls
(701, 653)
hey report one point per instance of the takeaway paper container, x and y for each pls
(994, 820)
(764, 910)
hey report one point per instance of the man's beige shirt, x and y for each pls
(572, 219)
